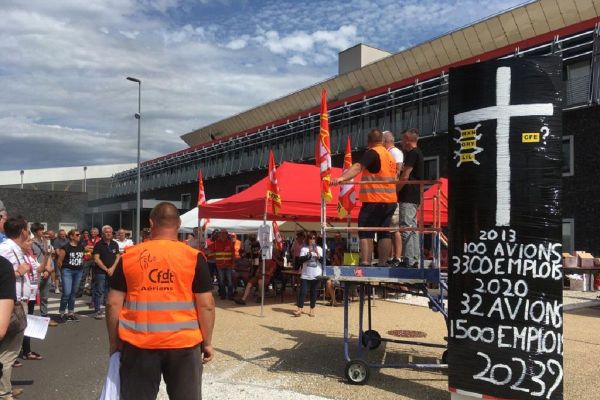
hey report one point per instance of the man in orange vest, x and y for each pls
(237, 246)
(161, 313)
(378, 199)
(222, 252)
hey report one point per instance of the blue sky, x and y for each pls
(65, 100)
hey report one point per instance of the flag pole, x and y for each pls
(262, 296)
(324, 235)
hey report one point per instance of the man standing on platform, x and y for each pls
(379, 199)
(388, 142)
(161, 313)
(409, 196)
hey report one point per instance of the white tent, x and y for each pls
(189, 221)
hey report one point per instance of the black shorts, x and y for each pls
(375, 215)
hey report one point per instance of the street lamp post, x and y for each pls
(138, 116)
(85, 179)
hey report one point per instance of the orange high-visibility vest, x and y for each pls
(222, 253)
(159, 310)
(237, 247)
(380, 192)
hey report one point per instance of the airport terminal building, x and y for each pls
(375, 88)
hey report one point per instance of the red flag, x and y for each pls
(323, 156)
(347, 199)
(277, 236)
(273, 186)
(201, 198)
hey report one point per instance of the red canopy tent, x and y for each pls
(300, 195)
(429, 206)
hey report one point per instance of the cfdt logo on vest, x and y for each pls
(161, 276)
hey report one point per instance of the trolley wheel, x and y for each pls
(371, 338)
(357, 372)
(445, 357)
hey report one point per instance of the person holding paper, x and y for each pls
(161, 312)
(16, 233)
(34, 274)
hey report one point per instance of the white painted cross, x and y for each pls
(502, 112)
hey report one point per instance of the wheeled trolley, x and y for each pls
(357, 369)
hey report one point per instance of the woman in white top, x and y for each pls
(311, 257)
(34, 278)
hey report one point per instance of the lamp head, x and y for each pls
(129, 78)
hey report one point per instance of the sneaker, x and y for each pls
(240, 302)
(56, 290)
(72, 318)
(394, 263)
(99, 315)
(61, 319)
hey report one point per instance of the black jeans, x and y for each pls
(26, 339)
(141, 370)
(312, 286)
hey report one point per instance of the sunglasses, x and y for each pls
(76, 234)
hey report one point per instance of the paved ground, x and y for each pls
(282, 357)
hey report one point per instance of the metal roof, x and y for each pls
(492, 34)
(62, 174)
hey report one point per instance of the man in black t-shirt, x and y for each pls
(106, 256)
(161, 314)
(409, 196)
(9, 345)
(8, 294)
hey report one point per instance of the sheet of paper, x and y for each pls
(37, 327)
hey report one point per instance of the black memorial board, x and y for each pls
(505, 276)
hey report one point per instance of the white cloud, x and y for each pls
(238, 44)
(130, 34)
(65, 100)
(297, 60)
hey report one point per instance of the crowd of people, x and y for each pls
(36, 262)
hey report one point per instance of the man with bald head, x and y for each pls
(388, 143)
(379, 200)
(161, 313)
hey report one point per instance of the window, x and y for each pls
(431, 168)
(239, 188)
(568, 156)
(568, 235)
(578, 82)
(67, 226)
(186, 201)
(44, 224)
